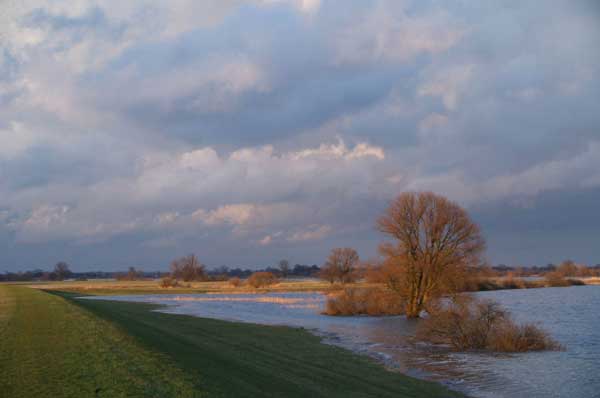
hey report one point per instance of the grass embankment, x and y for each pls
(55, 345)
(50, 347)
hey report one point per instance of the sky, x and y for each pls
(134, 132)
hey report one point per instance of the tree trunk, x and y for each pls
(413, 309)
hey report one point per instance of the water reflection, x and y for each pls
(569, 314)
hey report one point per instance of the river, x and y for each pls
(571, 315)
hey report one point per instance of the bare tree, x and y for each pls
(131, 275)
(61, 271)
(435, 242)
(341, 265)
(328, 274)
(188, 268)
(284, 268)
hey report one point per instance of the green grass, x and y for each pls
(125, 345)
(50, 347)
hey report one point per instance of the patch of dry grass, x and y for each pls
(364, 301)
(152, 286)
(593, 280)
(114, 287)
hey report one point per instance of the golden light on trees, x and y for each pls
(434, 241)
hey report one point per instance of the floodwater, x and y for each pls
(571, 315)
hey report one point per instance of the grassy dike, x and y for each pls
(56, 345)
(50, 347)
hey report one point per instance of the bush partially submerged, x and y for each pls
(556, 279)
(478, 284)
(262, 279)
(372, 301)
(467, 324)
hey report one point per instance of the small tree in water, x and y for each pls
(435, 241)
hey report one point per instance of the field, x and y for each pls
(115, 287)
(59, 346)
(112, 287)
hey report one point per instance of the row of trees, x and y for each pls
(61, 271)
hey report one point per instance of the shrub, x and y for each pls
(478, 284)
(513, 283)
(356, 301)
(555, 279)
(510, 337)
(467, 324)
(262, 279)
(235, 281)
(167, 282)
(575, 282)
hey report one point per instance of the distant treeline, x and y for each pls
(297, 270)
(220, 273)
(568, 267)
(61, 271)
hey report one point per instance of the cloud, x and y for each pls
(391, 33)
(266, 240)
(51, 223)
(340, 151)
(313, 232)
(296, 181)
(448, 85)
(137, 129)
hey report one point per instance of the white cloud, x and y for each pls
(266, 240)
(340, 151)
(237, 214)
(313, 232)
(266, 189)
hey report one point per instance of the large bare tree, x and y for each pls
(435, 241)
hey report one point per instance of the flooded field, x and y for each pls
(569, 314)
